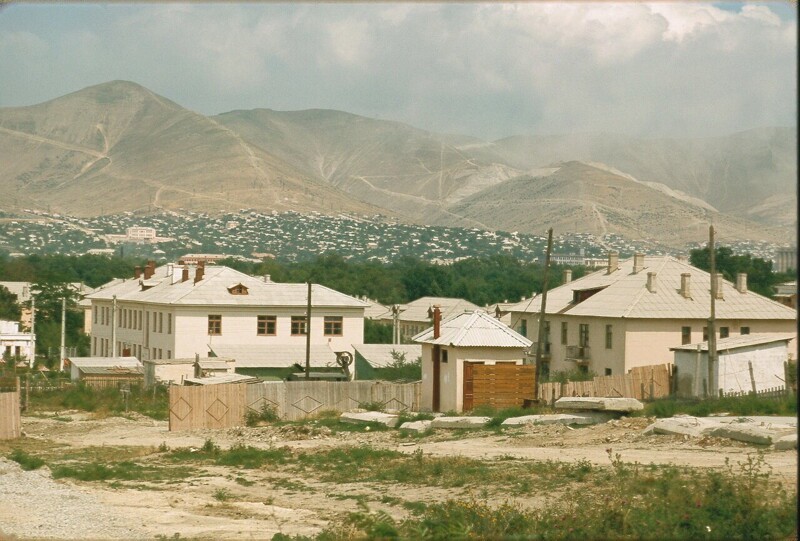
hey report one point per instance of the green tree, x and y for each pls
(9, 309)
(760, 277)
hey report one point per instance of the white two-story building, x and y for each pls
(178, 312)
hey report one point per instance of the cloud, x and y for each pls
(489, 70)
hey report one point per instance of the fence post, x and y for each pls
(752, 379)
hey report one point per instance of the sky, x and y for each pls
(490, 70)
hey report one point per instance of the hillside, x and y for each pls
(119, 147)
(578, 197)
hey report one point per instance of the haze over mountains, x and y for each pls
(119, 147)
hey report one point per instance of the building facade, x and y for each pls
(173, 312)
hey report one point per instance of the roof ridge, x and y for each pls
(640, 294)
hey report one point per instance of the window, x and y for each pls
(522, 328)
(161, 322)
(583, 369)
(214, 325)
(705, 334)
(169, 354)
(608, 371)
(169, 323)
(298, 325)
(724, 332)
(266, 325)
(333, 325)
(444, 356)
(609, 337)
(583, 334)
(94, 314)
(564, 332)
(238, 289)
(686, 335)
(744, 330)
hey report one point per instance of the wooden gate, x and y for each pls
(10, 425)
(501, 385)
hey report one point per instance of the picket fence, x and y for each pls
(642, 383)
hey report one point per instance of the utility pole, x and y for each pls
(114, 326)
(308, 334)
(540, 337)
(395, 326)
(33, 332)
(712, 331)
(63, 350)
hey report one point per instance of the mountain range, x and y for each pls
(119, 147)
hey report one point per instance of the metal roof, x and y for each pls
(111, 370)
(474, 329)
(82, 362)
(380, 355)
(624, 294)
(735, 342)
(221, 378)
(276, 356)
(184, 360)
(418, 310)
(213, 290)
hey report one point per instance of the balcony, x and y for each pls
(545, 350)
(579, 354)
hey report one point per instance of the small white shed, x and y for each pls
(747, 363)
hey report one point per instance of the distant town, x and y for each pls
(291, 236)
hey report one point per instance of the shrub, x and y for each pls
(27, 462)
(267, 414)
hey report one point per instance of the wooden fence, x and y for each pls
(10, 423)
(772, 392)
(223, 406)
(642, 383)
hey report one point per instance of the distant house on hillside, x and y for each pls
(632, 312)
(172, 312)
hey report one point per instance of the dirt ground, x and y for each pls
(33, 505)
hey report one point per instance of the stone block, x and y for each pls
(598, 403)
(416, 426)
(459, 422)
(745, 432)
(683, 426)
(786, 443)
(367, 417)
(587, 418)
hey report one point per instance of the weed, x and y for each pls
(27, 462)
(267, 414)
(738, 405)
(244, 482)
(163, 448)
(222, 495)
(372, 406)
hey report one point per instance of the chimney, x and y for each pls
(198, 273)
(137, 272)
(437, 321)
(149, 270)
(718, 293)
(638, 263)
(686, 285)
(682, 258)
(170, 269)
(567, 276)
(185, 273)
(613, 262)
(651, 282)
(741, 282)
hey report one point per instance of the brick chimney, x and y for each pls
(149, 270)
(198, 274)
(638, 263)
(741, 282)
(137, 272)
(613, 262)
(437, 321)
(185, 273)
(567, 276)
(651, 282)
(718, 293)
(686, 285)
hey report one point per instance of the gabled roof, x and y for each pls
(624, 294)
(418, 310)
(276, 356)
(212, 290)
(735, 342)
(380, 355)
(474, 329)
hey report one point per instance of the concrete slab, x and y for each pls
(786, 443)
(746, 432)
(683, 426)
(459, 422)
(585, 418)
(598, 403)
(416, 426)
(367, 417)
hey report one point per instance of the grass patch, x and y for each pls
(222, 495)
(26, 462)
(740, 405)
(103, 401)
(120, 471)
(242, 456)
